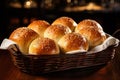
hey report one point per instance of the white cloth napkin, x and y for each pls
(9, 45)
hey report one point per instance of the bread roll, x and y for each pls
(43, 46)
(55, 32)
(94, 36)
(66, 21)
(39, 26)
(72, 42)
(88, 23)
(23, 36)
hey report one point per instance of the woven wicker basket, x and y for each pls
(39, 64)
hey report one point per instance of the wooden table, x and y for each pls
(110, 71)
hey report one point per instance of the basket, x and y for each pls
(40, 64)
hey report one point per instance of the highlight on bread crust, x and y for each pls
(72, 42)
(41, 38)
(55, 32)
(66, 21)
(92, 30)
(23, 36)
(94, 36)
(88, 23)
(43, 46)
(39, 26)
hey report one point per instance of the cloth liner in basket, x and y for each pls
(39, 64)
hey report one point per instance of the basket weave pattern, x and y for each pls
(38, 64)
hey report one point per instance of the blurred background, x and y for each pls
(19, 13)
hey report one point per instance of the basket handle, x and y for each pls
(116, 34)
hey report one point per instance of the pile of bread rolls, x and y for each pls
(62, 35)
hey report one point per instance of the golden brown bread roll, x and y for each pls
(23, 36)
(66, 21)
(39, 26)
(72, 42)
(55, 32)
(43, 46)
(88, 23)
(94, 36)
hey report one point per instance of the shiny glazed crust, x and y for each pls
(64, 32)
(43, 46)
(23, 37)
(55, 32)
(88, 23)
(94, 36)
(66, 21)
(39, 26)
(73, 41)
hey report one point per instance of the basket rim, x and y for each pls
(61, 54)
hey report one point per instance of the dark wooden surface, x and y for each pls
(110, 71)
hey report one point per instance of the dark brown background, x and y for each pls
(12, 18)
